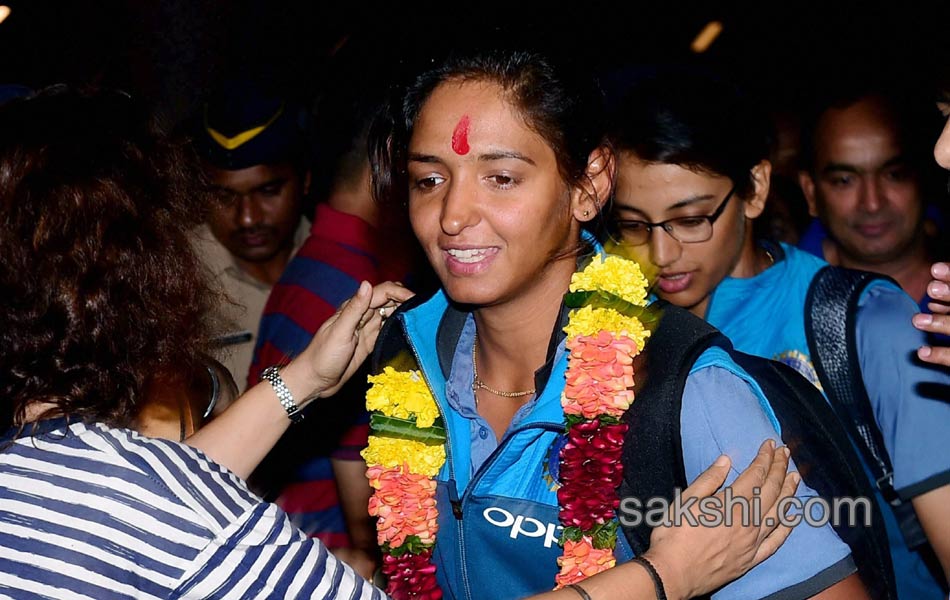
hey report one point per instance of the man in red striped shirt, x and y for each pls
(315, 473)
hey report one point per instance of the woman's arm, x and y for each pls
(723, 412)
(243, 434)
(933, 511)
(694, 560)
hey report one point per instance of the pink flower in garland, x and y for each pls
(590, 472)
(411, 576)
(600, 375)
(581, 560)
(404, 504)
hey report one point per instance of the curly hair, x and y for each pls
(100, 285)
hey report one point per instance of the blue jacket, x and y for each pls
(506, 513)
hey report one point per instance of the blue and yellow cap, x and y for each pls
(242, 126)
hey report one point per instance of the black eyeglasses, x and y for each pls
(688, 230)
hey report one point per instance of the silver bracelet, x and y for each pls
(215, 391)
(272, 374)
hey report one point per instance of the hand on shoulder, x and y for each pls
(938, 322)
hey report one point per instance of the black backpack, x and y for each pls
(652, 454)
(830, 315)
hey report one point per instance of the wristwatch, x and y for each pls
(272, 374)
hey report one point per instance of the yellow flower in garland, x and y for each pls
(616, 275)
(590, 321)
(402, 394)
(402, 461)
(422, 459)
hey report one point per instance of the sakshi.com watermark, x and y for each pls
(727, 509)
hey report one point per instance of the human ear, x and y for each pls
(807, 183)
(590, 196)
(761, 179)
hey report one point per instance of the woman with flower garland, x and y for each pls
(692, 178)
(94, 200)
(500, 157)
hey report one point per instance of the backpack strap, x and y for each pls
(830, 326)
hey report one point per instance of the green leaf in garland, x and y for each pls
(405, 429)
(412, 545)
(601, 299)
(572, 420)
(604, 536)
(570, 534)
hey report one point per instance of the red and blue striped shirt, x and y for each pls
(342, 251)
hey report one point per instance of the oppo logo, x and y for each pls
(522, 525)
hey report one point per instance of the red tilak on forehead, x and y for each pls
(460, 136)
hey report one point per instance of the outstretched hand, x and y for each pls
(939, 321)
(345, 340)
(696, 559)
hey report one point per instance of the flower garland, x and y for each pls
(406, 448)
(604, 335)
(405, 452)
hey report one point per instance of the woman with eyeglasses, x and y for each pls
(693, 175)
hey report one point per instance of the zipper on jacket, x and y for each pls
(454, 499)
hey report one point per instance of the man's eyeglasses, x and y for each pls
(688, 230)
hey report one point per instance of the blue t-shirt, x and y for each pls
(722, 414)
(765, 315)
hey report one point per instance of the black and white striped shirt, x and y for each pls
(100, 513)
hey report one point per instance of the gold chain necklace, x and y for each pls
(478, 384)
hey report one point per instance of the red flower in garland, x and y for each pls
(590, 471)
(411, 576)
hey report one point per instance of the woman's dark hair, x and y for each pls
(695, 121)
(559, 102)
(101, 287)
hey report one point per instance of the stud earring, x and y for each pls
(586, 213)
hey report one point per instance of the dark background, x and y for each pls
(171, 52)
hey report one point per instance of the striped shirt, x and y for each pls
(101, 513)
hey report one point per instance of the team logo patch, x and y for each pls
(801, 363)
(552, 464)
